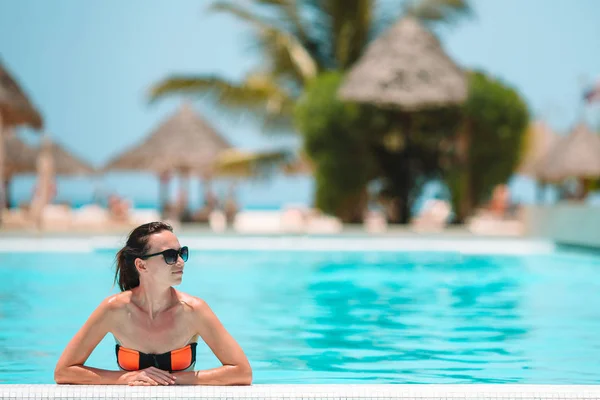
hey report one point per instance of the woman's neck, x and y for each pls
(153, 300)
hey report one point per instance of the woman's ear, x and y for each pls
(140, 265)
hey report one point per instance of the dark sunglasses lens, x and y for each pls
(171, 256)
(184, 253)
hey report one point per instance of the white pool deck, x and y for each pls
(300, 392)
(304, 244)
(351, 240)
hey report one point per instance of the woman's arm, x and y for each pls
(236, 369)
(70, 368)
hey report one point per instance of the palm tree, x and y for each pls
(298, 39)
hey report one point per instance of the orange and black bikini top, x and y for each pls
(175, 360)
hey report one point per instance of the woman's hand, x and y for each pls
(150, 376)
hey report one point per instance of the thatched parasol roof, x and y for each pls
(23, 159)
(20, 158)
(65, 162)
(183, 142)
(407, 69)
(576, 156)
(540, 139)
(15, 108)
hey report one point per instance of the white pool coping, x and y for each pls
(517, 246)
(300, 392)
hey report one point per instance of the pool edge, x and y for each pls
(292, 392)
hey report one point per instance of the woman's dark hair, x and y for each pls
(137, 245)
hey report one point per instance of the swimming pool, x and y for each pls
(336, 316)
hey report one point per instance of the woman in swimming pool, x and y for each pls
(156, 326)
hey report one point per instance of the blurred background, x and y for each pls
(373, 122)
(426, 112)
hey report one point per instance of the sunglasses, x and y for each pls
(170, 255)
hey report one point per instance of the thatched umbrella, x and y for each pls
(406, 69)
(23, 159)
(540, 139)
(65, 162)
(15, 109)
(20, 157)
(576, 156)
(184, 143)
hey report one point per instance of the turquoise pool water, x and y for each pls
(337, 317)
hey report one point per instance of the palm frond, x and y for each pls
(438, 10)
(242, 13)
(353, 31)
(290, 11)
(241, 163)
(258, 95)
(300, 59)
(342, 28)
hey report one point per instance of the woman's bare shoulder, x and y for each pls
(110, 309)
(191, 303)
(198, 312)
(116, 302)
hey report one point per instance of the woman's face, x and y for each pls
(157, 268)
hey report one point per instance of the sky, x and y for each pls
(88, 66)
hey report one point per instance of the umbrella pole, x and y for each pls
(540, 190)
(183, 209)
(404, 200)
(185, 185)
(2, 187)
(206, 185)
(465, 205)
(163, 192)
(206, 194)
(7, 191)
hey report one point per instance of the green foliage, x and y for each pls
(336, 138)
(496, 118)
